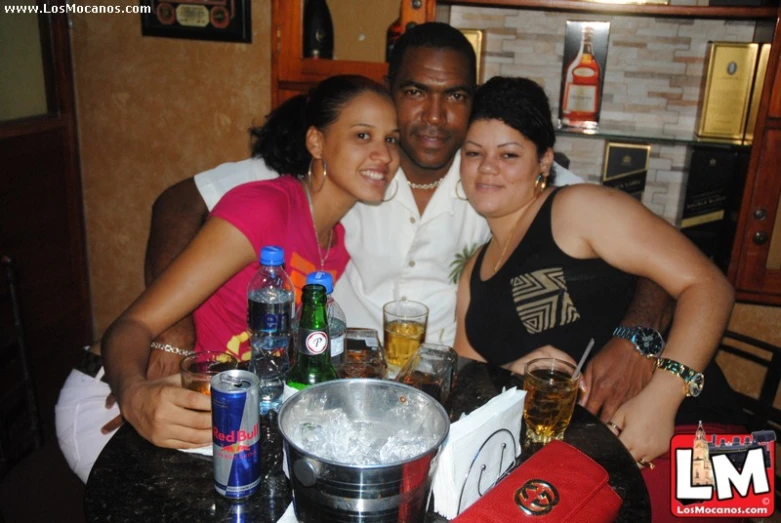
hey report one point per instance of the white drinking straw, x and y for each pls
(583, 359)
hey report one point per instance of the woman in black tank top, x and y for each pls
(559, 268)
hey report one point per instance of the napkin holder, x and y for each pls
(482, 448)
(557, 484)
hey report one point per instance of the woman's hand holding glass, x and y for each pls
(165, 413)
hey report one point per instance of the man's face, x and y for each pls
(433, 97)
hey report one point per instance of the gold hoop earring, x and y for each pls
(459, 182)
(309, 174)
(540, 184)
(395, 190)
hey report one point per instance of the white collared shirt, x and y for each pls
(394, 252)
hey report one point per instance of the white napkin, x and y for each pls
(479, 449)
(289, 516)
(203, 451)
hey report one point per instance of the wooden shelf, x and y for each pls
(727, 13)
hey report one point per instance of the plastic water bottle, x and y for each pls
(271, 298)
(337, 322)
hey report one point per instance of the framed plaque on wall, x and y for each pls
(727, 90)
(224, 20)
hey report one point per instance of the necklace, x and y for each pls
(510, 236)
(425, 186)
(323, 258)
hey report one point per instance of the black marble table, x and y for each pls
(135, 481)
(477, 383)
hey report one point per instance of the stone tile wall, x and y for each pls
(654, 73)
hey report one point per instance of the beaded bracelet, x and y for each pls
(170, 348)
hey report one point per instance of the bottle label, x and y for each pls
(268, 317)
(580, 99)
(584, 72)
(312, 342)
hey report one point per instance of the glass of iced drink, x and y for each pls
(198, 369)
(404, 323)
(551, 392)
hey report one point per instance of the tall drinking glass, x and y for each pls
(198, 369)
(551, 392)
(404, 323)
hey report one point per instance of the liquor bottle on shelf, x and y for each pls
(580, 103)
(318, 30)
(391, 35)
(313, 361)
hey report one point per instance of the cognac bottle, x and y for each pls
(580, 103)
(318, 30)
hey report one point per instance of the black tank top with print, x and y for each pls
(542, 296)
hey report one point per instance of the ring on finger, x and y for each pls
(643, 463)
(614, 427)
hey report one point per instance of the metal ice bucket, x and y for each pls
(326, 490)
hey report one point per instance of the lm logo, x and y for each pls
(723, 474)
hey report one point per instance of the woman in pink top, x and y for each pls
(339, 143)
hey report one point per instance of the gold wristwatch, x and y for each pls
(693, 381)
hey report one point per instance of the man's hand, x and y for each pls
(615, 375)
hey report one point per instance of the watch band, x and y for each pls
(624, 332)
(693, 381)
(645, 340)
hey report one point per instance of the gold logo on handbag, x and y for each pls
(536, 497)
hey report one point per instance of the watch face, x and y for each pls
(696, 383)
(649, 342)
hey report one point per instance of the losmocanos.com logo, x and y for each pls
(723, 475)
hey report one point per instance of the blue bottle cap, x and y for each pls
(272, 255)
(321, 278)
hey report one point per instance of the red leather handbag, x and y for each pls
(558, 483)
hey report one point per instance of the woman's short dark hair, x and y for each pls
(281, 141)
(432, 35)
(520, 103)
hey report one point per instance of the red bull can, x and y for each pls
(236, 433)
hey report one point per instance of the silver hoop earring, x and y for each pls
(464, 198)
(309, 175)
(395, 190)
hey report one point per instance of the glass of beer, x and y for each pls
(404, 322)
(198, 369)
(551, 392)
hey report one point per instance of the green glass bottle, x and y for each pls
(313, 346)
